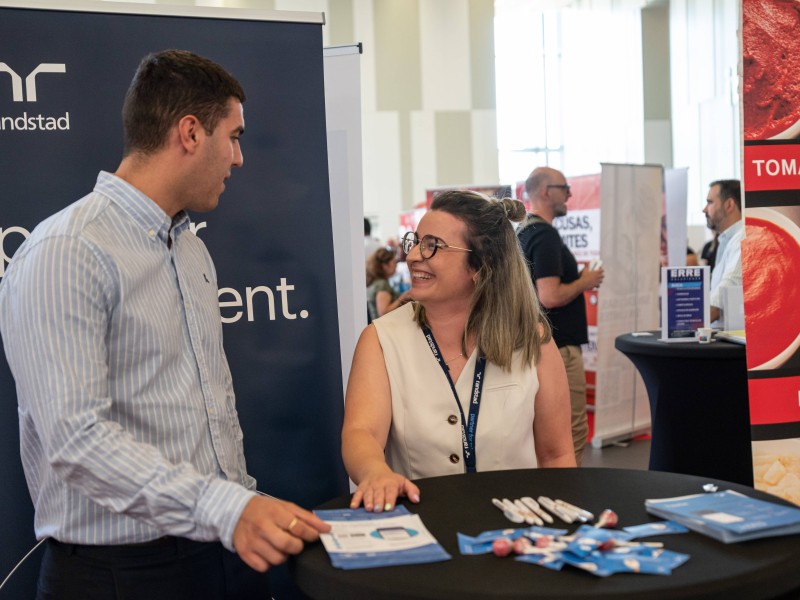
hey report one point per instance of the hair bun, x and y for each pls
(514, 209)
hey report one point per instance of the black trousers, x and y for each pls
(169, 569)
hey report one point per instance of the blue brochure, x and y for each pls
(728, 516)
(657, 528)
(360, 540)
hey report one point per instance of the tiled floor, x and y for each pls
(628, 455)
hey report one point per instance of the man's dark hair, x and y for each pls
(729, 188)
(168, 86)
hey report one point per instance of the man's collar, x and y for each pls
(731, 229)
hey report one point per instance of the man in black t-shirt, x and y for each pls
(559, 285)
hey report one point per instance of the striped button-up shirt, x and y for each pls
(128, 423)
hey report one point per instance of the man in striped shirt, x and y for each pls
(130, 439)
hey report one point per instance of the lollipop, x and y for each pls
(607, 545)
(521, 544)
(607, 519)
(502, 546)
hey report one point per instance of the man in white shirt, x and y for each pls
(723, 212)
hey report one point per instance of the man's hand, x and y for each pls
(592, 278)
(269, 530)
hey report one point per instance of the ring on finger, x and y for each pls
(293, 522)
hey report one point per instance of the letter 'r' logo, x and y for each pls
(30, 80)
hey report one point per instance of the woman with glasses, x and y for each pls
(465, 378)
(381, 297)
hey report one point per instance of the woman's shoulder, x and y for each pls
(398, 323)
(401, 317)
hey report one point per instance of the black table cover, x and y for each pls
(698, 406)
(756, 569)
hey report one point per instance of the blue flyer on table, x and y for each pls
(482, 543)
(658, 528)
(360, 540)
(728, 516)
(601, 552)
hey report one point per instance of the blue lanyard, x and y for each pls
(468, 426)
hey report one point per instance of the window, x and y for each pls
(569, 88)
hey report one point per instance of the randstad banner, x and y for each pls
(63, 75)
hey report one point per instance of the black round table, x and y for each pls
(766, 568)
(698, 405)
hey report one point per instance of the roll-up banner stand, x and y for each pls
(63, 73)
(631, 197)
(343, 112)
(771, 248)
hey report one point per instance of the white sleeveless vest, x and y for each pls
(423, 439)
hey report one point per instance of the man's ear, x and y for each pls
(188, 132)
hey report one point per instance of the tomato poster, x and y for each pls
(771, 248)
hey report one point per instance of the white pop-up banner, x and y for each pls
(631, 197)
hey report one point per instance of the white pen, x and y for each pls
(530, 517)
(511, 508)
(576, 509)
(572, 512)
(510, 515)
(556, 509)
(534, 506)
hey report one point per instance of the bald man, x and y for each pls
(559, 285)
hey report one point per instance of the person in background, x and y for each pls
(709, 251)
(465, 378)
(691, 257)
(129, 435)
(723, 212)
(559, 285)
(381, 297)
(370, 243)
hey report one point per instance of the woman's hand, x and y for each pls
(379, 490)
(367, 420)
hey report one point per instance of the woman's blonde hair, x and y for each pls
(505, 314)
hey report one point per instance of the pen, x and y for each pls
(513, 509)
(511, 516)
(584, 514)
(530, 517)
(534, 506)
(556, 510)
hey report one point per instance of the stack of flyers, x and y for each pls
(601, 552)
(728, 516)
(360, 540)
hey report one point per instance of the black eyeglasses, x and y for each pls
(562, 186)
(428, 245)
